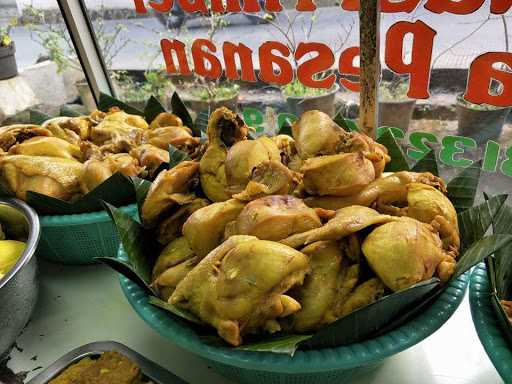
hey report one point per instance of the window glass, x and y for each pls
(461, 133)
(39, 70)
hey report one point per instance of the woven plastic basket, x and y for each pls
(486, 324)
(331, 365)
(78, 239)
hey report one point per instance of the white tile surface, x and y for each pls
(79, 305)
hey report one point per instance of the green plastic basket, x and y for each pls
(78, 239)
(486, 324)
(330, 365)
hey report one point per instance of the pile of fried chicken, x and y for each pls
(67, 157)
(292, 234)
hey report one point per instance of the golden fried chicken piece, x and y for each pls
(170, 190)
(269, 178)
(225, 128)
(81, 126)
(429, 205)
(364, 294)
(51, 176)
(118, 126)
(150, 157)
(17, 134)
(316, 134)
(347, 221)
(204, 229)
(347, 281)
(377, 153)
(172, 227)
(96, 171)
(240, 287)
(337, 175)
(173, 264)
(274, 218)
(380, 192)
(243, 157)
(179, 137)
(47, 146)
(60, 128)
(286, 146)
(405, 252)
(166, 119)
(318, 294)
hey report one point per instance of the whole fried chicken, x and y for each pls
(51, 176)
(204, 229)
(225, 128)
(240, 287)
(405, 252)
(47, 146)
(274, 218)
(170, 190)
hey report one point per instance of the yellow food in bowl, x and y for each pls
(10, 252)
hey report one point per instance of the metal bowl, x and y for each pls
(19, 288)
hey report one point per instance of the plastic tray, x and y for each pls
(330, 365)
(151, 370)
(78, 239)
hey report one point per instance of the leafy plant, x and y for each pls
(219, 92)
(156, 84)
(5, 33)
(297, 89)
(394, 90)
(55, 39)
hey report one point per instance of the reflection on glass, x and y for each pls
(49, 77)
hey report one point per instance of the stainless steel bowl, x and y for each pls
(19, 288)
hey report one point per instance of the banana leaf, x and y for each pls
(347, 124)
(176, 156)
(38, 118)
(201, 124)
(174, 310)
(462, 189)
(474, 222)
(427, 163)
(398, 160)
(286, 128)
(138, 244)
(153, 109)
(116, 190)
(68, 112)
(503, 259)
(106, 102)
(499, 270)
(367, 321)
(180, 110)
(285, 344)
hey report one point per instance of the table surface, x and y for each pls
(79, 305)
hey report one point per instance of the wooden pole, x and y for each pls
(369, 29)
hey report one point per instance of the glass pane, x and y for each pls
(132, 49)
(138, 67)
(444, 119)
(50, 79)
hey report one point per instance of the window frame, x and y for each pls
(87, 48)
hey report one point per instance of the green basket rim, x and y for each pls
(486, 325)
(83, 218)
(322, 360)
